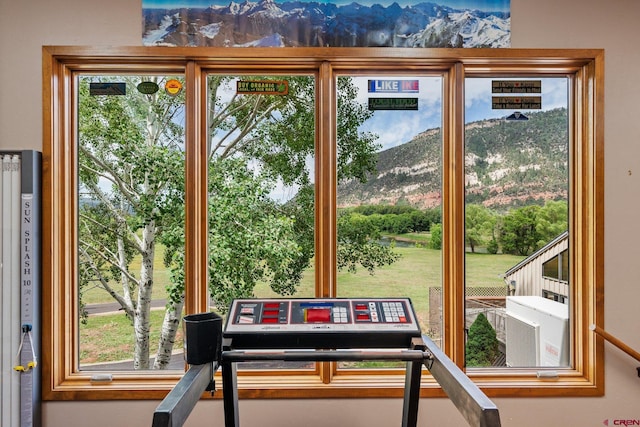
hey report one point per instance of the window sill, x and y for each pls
(523, 383)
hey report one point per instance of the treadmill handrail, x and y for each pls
(175, 408)
(470, 401)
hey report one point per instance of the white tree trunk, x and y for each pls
(170, 327)
(142, 312)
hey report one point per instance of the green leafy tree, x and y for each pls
(492, 246)
(482, 343)
(131, 171)
(358, 244)
(131, 167)
(277, 134)
(479, 226)
(251, 239)
(399, 223)
(420, 221)
(527, 229)
(436, 236)
(519, 234)
(553, 220)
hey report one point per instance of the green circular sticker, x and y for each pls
(148, 88)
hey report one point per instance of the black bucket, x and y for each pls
(203, 338)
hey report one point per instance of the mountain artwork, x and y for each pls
(297, 23)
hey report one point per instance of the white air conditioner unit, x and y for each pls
(537, 332)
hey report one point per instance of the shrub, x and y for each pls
(482, 343)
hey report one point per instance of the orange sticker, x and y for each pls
(173, 87)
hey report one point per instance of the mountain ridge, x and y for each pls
(507, 164)
(300, 23)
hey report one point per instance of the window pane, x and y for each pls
(389, 192)
(130, 221)
(516, 216)
(261, 189)
(550, 268)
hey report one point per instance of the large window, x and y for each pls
(516, 212)
(176, 182)
(392, 209)
(130, 220)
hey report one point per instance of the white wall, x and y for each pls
(26, 25)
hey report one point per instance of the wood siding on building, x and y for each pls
(527, 275)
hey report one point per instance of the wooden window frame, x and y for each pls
(62, 379)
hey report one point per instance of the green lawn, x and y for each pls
(110, 337)
(411, 276)
(97, 295)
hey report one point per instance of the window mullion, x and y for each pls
(453, 215)
(326, 182)
(196, 270)
(326, 164)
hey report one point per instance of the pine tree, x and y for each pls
(482, 343)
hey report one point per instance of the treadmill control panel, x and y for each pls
(340, 322)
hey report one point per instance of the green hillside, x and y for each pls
(507, 164)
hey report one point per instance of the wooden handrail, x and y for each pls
(615, 341)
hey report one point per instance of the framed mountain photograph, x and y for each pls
(298, 23)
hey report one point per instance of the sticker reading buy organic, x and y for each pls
(262, 87)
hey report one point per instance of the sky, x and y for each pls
(397, 127)
(485, 5)
(394, 128)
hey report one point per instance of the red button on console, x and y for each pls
(271, 305)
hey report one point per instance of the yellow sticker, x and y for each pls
(173, 87)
